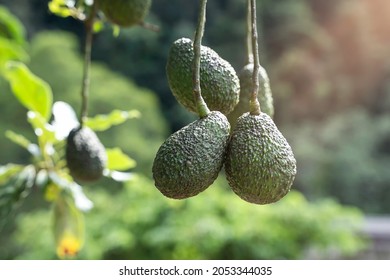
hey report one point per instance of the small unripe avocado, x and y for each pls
(125, 12)
(190, 160)
(264, 94)
(218, 79)
(85, 155)
(260, 165)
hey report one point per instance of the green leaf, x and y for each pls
(116, 117)
(18, 139)
(117, 160)
(59, 8)
(67, 8)
(23, 142)
(11, 27)
(44, 131)
(10, 50)
(31, 91)
(16, 188)
(7, 171)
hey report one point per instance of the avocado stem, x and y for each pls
(254, 105)
(201, 105)
(87, 63)
(249, 50)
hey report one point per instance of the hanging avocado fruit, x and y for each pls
(219, 81)
(189, 161)
(264, 93)
(125, 13)
(260, 165)
(85, 155)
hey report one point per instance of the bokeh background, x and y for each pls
(329, 67)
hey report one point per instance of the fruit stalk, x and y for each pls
(249, 49)
(201, 105)
(87, 63)
(254, 105)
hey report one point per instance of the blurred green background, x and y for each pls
(329, 67)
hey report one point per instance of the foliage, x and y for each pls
(141, 224)
(39, 96)
(111, 95)
(47, 174)
(12, 38)
(347, 157)
(46, 171)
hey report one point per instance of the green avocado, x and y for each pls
(125, 12)
(260, 165)
(85, 155)
(218, 79)
(190, 160)
(264, 94)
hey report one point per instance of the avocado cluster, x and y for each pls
(125, 13)
(85, 155)
(189, 161)
(218, 79)
(259, 163)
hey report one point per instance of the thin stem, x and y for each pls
(87, 64)
(249, 49)
(201, 105)
(254, 105)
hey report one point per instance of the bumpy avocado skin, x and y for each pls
(189, 161)
(218, 79)
(85, 155)
(264, 94)
(125, 12)
(260, 165)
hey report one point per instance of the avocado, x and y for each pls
(190, 160)
(125, 13)
(264, 94)
(260, 165)
(85, 155)
(218, 79)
